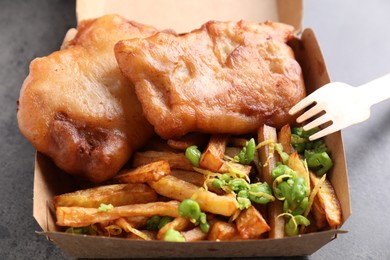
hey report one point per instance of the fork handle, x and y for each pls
(376, 90)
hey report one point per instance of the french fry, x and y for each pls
(156, 143)
(236, 168)
(237, 142)
(177, 189)
(189, 176)
(284, 137)
(197, 179)
(319, 214)
(190, 139)
(251, 224)
(116, 194)
(178, 224)
(221, 231)
(152, 234)
(295, 163)
(80, 217)
(212, 157)
(328, 201)
(149, 172)
(195, 234)
(175, 160)
(232, 151)
(268, 159)
(138, 221)
(125, 225)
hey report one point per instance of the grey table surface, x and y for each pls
(355, 39)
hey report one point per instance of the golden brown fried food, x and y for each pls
(226, 77)
(76, 107)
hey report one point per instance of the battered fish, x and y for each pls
(226, 77)
(76, 107)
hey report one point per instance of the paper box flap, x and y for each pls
(186, 15)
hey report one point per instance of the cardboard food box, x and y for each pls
(184, 16)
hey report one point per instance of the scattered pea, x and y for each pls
(193, 154)
(174, 236)
(189, 208)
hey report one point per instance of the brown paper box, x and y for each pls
(185, 15)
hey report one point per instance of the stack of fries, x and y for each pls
(162, 177)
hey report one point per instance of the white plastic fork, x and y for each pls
(340, 105)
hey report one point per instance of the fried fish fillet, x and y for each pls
(76, 107)
(226, 77)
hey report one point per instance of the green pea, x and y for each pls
(247, 154)
(301, 207)
(205, 227)
(225, 177)
(189, 208)
(286, 206)
(298, 189)
(280, 170)
(282, 154)
(301, 220)
(298, 143)
(285, 190)
(174, 236)
(203, 217)
(297, 131)
(320, 163)
(291, 227)
(306, 134)
(153, 223)
(243, 203)
(316, 146)
(193, 154)
(255, 191)
(217, 183)
(238, 184)
(164, 220)
(75, 230)
(243, 194)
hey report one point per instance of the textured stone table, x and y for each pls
(355, 39)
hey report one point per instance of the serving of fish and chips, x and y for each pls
(227, 163)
